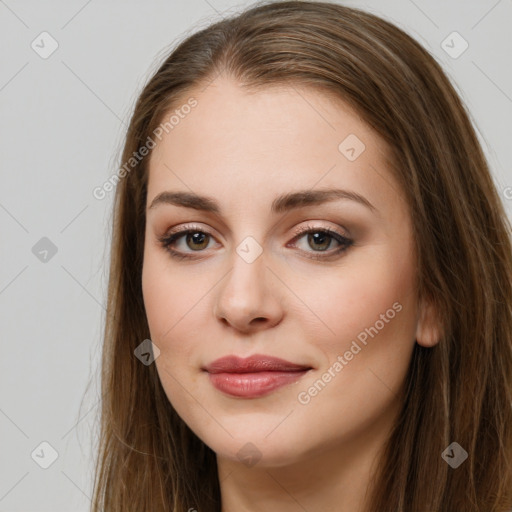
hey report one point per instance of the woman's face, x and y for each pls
(245, 281)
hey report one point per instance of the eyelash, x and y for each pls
(167, 240)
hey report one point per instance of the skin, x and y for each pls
(245, 148)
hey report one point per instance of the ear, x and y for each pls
(428, 328)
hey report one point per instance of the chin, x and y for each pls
(258, 454)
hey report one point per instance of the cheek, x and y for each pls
(176, 310)
(167, 293)
(157, 301)
(170, 303)
(163, 309)
(373, 316)
(363, 290)
(371, 308)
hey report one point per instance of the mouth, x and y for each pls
(254, 376)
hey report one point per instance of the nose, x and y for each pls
(248, 297)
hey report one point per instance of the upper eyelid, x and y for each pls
(193, 227)
(302, 231)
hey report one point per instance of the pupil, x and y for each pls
(196, 238)
(317, 236)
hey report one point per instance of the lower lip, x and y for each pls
(252, 385)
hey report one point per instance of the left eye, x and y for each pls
(319, 239)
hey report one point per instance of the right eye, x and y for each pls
(192, 236)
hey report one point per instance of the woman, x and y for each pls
(310, 282)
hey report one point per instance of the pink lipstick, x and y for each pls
(254, 376)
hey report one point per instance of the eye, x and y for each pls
(194, 238)
(317, 238)
(320, 239)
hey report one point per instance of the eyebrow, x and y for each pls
(280, 204)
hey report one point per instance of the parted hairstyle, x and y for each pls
(148, 459)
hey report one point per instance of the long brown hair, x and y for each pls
(458, 391)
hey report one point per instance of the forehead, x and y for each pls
(250, 143)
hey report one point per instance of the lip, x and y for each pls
(252, 364)
(254, 376)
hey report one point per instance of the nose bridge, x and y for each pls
(247, 281)
(247, 293)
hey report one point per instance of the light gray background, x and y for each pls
(62, 124)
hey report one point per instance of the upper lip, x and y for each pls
(254, 363)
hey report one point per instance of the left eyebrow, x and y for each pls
(280, 204)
